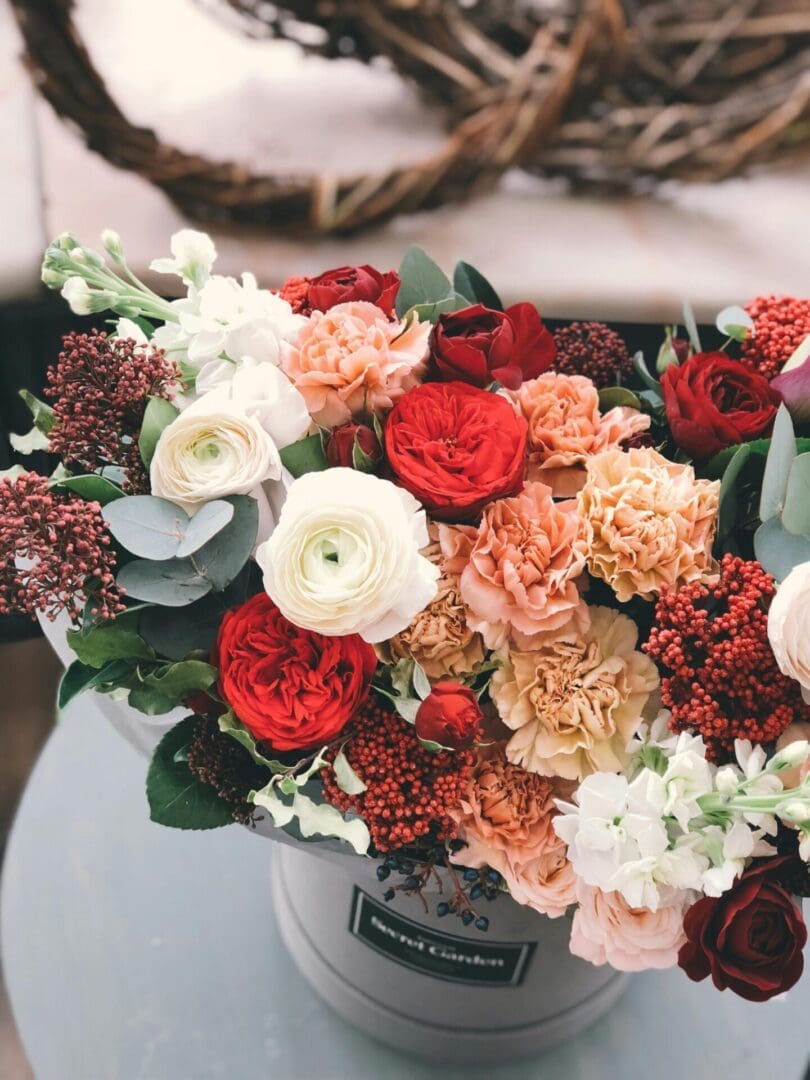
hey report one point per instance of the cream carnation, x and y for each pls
(566, 427)
(648, 522)
(352, 359)
(789, 627)
(577, 698)
(606, 930)
(344, 557)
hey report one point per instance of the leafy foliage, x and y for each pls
(176, 797)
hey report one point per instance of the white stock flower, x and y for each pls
(728, 852)
(78, 295)
(193, 255)
(688, 776)
(789, 626)
(207, 453)
(344, 556)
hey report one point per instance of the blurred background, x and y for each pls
(603, 160)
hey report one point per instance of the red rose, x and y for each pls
(294, 688)
(480, 346)
(347, 283)
(713, 401)
(455, 448)
(750, 939)
(450, 716)
(341, 442)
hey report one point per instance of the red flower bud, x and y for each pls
(346, 445)
(450, 716)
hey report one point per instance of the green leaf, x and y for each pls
(714, 468)
(431, 312)
(778, 550)
(222, 558)
(176, 797)
(210, 519)
(42, 413)
(29, 443)
(164, 688)
(175, 632)
(612, 396)
(229, 725)
(728, 507)
(80, 677)
(423, 282)
(169, 583)
(796, 512)
(421, 683)
(781, 453)
(734, 322)
(690, 323)
(92, 487)
(147, 526)
(471, 283)
(158, 415)
(116, 640)
(434, 747)
(304, 456)
(347, 779)
(312, 819)
(407, 708)
(641, 369)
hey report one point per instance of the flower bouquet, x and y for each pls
(505, 611)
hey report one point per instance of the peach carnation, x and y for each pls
(648, 522)
(505, 817)
(576, 699)
(519, 567)
(566, 428)
(606, 930)
(352, 359)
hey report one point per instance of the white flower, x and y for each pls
(344, 556)
(204, 454)
(789, 626)
(78, 295)
(688, 776)
(728, 852)
(804, 847)
(193, 256)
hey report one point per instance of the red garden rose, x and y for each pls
(450, 716)
(292, 687)
(347, 283)
(480, 346)
(713, 401)
(341, 442)
(456, 448)
(750, 939)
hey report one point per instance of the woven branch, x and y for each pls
(606, 92)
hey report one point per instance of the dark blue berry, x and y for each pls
(442, 909)
(406, 867)
(466, 917)
(476, 892)
(382, 873)
(471, 875)
(494, 877)
(411, 882)
(389, 894)
(482, 923)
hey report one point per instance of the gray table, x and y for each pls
(134, 952)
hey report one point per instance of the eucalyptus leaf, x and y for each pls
(158, 415)
(423, 281)
(347, 779)
(421, 683)
(612, 396)
(643, 372)
(221, 560)
(42, 414)
(304, 456)
(472, 284)
(779, 550)
(781, 454)
(176, 797)
(796, 512)
(407, 708)
(430, 312)
(90, 486)
(728, 508)
(210, 519)
(147, 526)
(170, 583)
(734, 322)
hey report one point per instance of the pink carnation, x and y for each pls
(607, 931)
(352, 359)
(519, 568)
(566, 428)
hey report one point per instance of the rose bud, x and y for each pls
(354, 446)
(450, 716)
(478, 345)
(713, 402)
(347, 283)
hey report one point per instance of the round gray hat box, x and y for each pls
(423, 984)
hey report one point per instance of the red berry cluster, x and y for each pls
(295, 291)
(64, 551)
(722, 679)
(780, 325)
(100, 386)
(409, 791)
(592, 349)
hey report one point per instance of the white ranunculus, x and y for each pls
(344, 556)
(789, 626)
(205, 454)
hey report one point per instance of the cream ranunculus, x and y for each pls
(204, 455)
(344, 557)
(789, 627)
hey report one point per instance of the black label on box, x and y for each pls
(443, 956)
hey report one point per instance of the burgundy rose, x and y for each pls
(345, 446)
(479, 345)
(713, 401)
(750, 939)
(347, 283)
(450, 716)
